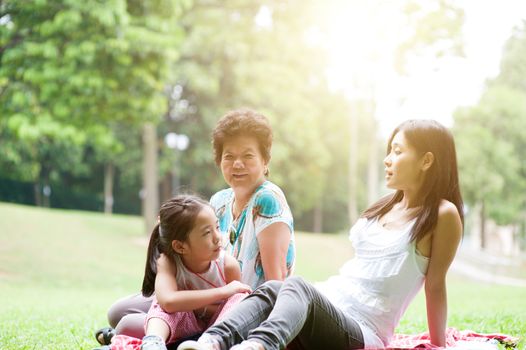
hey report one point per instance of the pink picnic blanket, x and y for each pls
(455, 339)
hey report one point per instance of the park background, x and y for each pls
(108, 106)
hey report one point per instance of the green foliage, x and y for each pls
(491, 141)
(246, 65)
(74, 73)
(513, 65)
(82, 76)
(434, 29)
(489, 164)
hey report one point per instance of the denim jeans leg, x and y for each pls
(302, 313)
(245, 316)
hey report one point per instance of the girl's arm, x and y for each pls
(273, 245)
(172, 300)
(444, 243)
(232, 276)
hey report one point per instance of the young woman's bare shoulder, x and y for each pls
(446, 208)
(449, 218)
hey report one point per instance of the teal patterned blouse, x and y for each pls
(266, 206)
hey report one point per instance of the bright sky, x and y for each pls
(434, 91)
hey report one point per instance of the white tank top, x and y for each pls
(212, 278)
(377, 285)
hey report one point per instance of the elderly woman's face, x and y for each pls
(242, 164)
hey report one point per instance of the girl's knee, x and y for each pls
(115, 314)
(132, 325)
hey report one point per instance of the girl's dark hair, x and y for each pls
(242, 122)
(441, 181)
(176, 219)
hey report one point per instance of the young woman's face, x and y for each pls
(242, 164)
(204, 241)
(403, 165)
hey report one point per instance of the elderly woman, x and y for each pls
(253, 213)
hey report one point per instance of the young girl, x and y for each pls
(189, 272)
(404, 240)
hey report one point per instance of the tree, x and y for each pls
(86, 66)
(395, 36)
(266, 68)
(513, 65)
(177, 66)
(490, 143)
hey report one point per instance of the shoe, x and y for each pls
(153, 342)
(247, 345)
(107, 333)
(194, 345)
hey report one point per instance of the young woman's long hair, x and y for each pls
(176, 220)
(441, 181)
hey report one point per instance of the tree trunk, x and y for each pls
(372, 171)
(318, 217)
(109, 175)
(38, 193)
(46, 187)
(166, 187)
(482, 217)
(150, 193)
(353, 163)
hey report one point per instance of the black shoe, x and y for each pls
(107, 333)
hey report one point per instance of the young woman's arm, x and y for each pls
(444, 243)
(172, 300)
(273, 245)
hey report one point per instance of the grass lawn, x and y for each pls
(60, 270)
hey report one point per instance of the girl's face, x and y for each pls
(204, 241)
(242, 164)
(403, 165)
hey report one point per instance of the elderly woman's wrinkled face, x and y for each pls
(242, 164)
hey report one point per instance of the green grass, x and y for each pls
(60, 270)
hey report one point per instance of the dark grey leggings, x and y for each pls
(279, 312)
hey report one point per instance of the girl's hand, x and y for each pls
(235, 287)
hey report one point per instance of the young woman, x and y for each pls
(405, 240)
(254, 217)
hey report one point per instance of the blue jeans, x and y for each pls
(277, 313)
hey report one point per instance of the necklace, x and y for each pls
(238, 221)
(232, 233)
